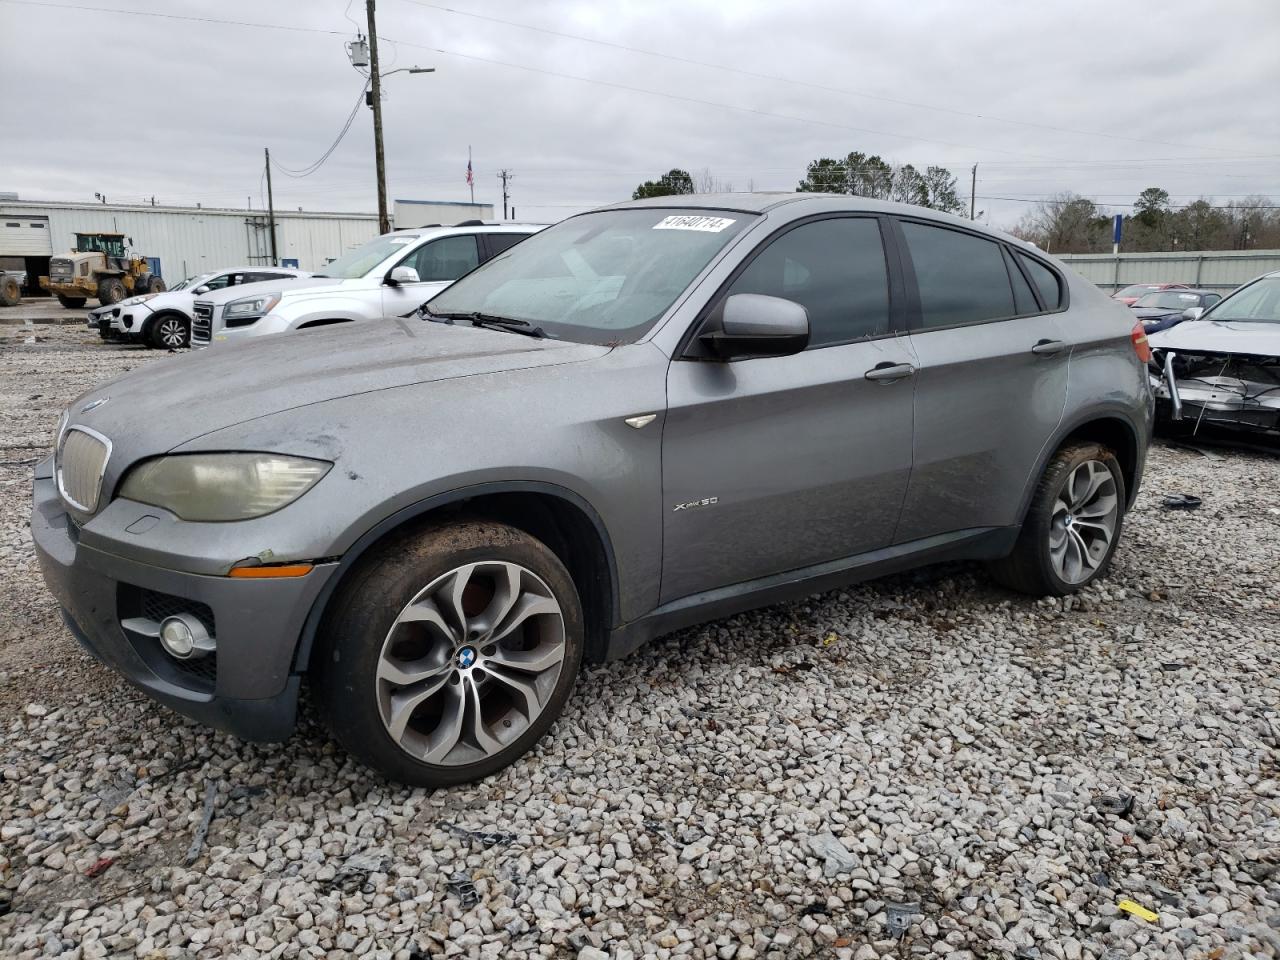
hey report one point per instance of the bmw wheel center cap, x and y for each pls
(466, 657)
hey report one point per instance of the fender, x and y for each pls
(422, 507)
(1117, 412)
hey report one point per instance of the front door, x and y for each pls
(992, 380)
(772, 464)
(438, 263)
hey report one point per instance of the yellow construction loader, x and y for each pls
(100, 266)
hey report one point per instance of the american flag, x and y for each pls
(470, 179)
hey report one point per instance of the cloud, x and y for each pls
(136, 106)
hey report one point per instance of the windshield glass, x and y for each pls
(1137, 290)
(1259, 302)
(358, 262)
(1170, 299)
(112, 246)
(601, 277)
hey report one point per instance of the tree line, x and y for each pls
(1070, 223)
(1063, 223)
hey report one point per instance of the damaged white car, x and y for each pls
(1222, 369)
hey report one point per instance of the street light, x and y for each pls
(356, 51)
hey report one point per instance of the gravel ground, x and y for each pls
(924, 766)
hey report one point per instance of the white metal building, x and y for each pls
(186, 240)
(422, 213)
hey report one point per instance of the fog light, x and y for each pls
(184, 636)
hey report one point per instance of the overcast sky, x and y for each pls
(1178, 93)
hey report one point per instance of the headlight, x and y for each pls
(214, 487)
(239, 313)
(142, 298)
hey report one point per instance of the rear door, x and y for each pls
(439, 262)
(988, 336)
(771, 464)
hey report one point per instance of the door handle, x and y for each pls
(888, 372)
(1047, 348)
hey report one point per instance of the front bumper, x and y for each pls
(250, 690)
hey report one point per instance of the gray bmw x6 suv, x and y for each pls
(644, 417)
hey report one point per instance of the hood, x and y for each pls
(1212, 336)
(170, 402)
(227, 294)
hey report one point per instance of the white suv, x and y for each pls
(391, 275)
(163, 320)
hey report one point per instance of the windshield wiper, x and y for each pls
(514, 324)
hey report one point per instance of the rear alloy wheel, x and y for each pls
(1072, 525)
(450, 653)
(169, 332)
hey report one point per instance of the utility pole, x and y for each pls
(271, 210)
(505, 176)
(973, 189)
(384, 225)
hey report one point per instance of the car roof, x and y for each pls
(253, 266)
(798, 205)
(436, 229)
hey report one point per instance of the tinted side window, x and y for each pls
(445, 259)
(961, 278)
(501, 242)
(1024, 300)
(1046, 282)
(218, 282)
(835, 269)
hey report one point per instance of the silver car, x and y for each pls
(641, 418)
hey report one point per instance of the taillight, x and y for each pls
(1140, 346)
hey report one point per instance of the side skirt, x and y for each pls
(981, 543)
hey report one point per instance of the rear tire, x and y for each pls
(1072, 526)
(72, 303)
(111, 290)
(459, 643)
(10, 292)
(169, 332)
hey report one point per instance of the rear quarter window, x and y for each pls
(1046, 281)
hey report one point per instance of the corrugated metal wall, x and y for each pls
(419, 213)
(189, 240)
(1220, 270)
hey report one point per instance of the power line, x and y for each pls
(776, 78)
(606, 83)
(312, 168)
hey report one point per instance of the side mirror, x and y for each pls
(1193, 313)
(203, 288)
(399, 275)
(754, 325)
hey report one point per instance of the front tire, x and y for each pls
(169, 332)
(447, 655)
(111, 290)
(1072, 526)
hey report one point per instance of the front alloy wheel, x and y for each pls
(447, 654)
(169, 333)
(470, 663)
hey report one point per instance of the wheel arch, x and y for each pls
(147, 324)
(1115, 429)
(560, 518)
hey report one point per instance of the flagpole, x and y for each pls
(473, 182)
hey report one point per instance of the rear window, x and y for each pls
(1046, 281)
(961, 277)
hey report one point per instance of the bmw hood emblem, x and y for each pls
(466, 657)
(94, 404)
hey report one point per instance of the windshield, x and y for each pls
(1259, 302)
(112, 246)
(601, 277)
(192, 282)
(359, 262)
(1169, 299)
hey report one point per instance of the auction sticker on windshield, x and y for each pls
(705, 224)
